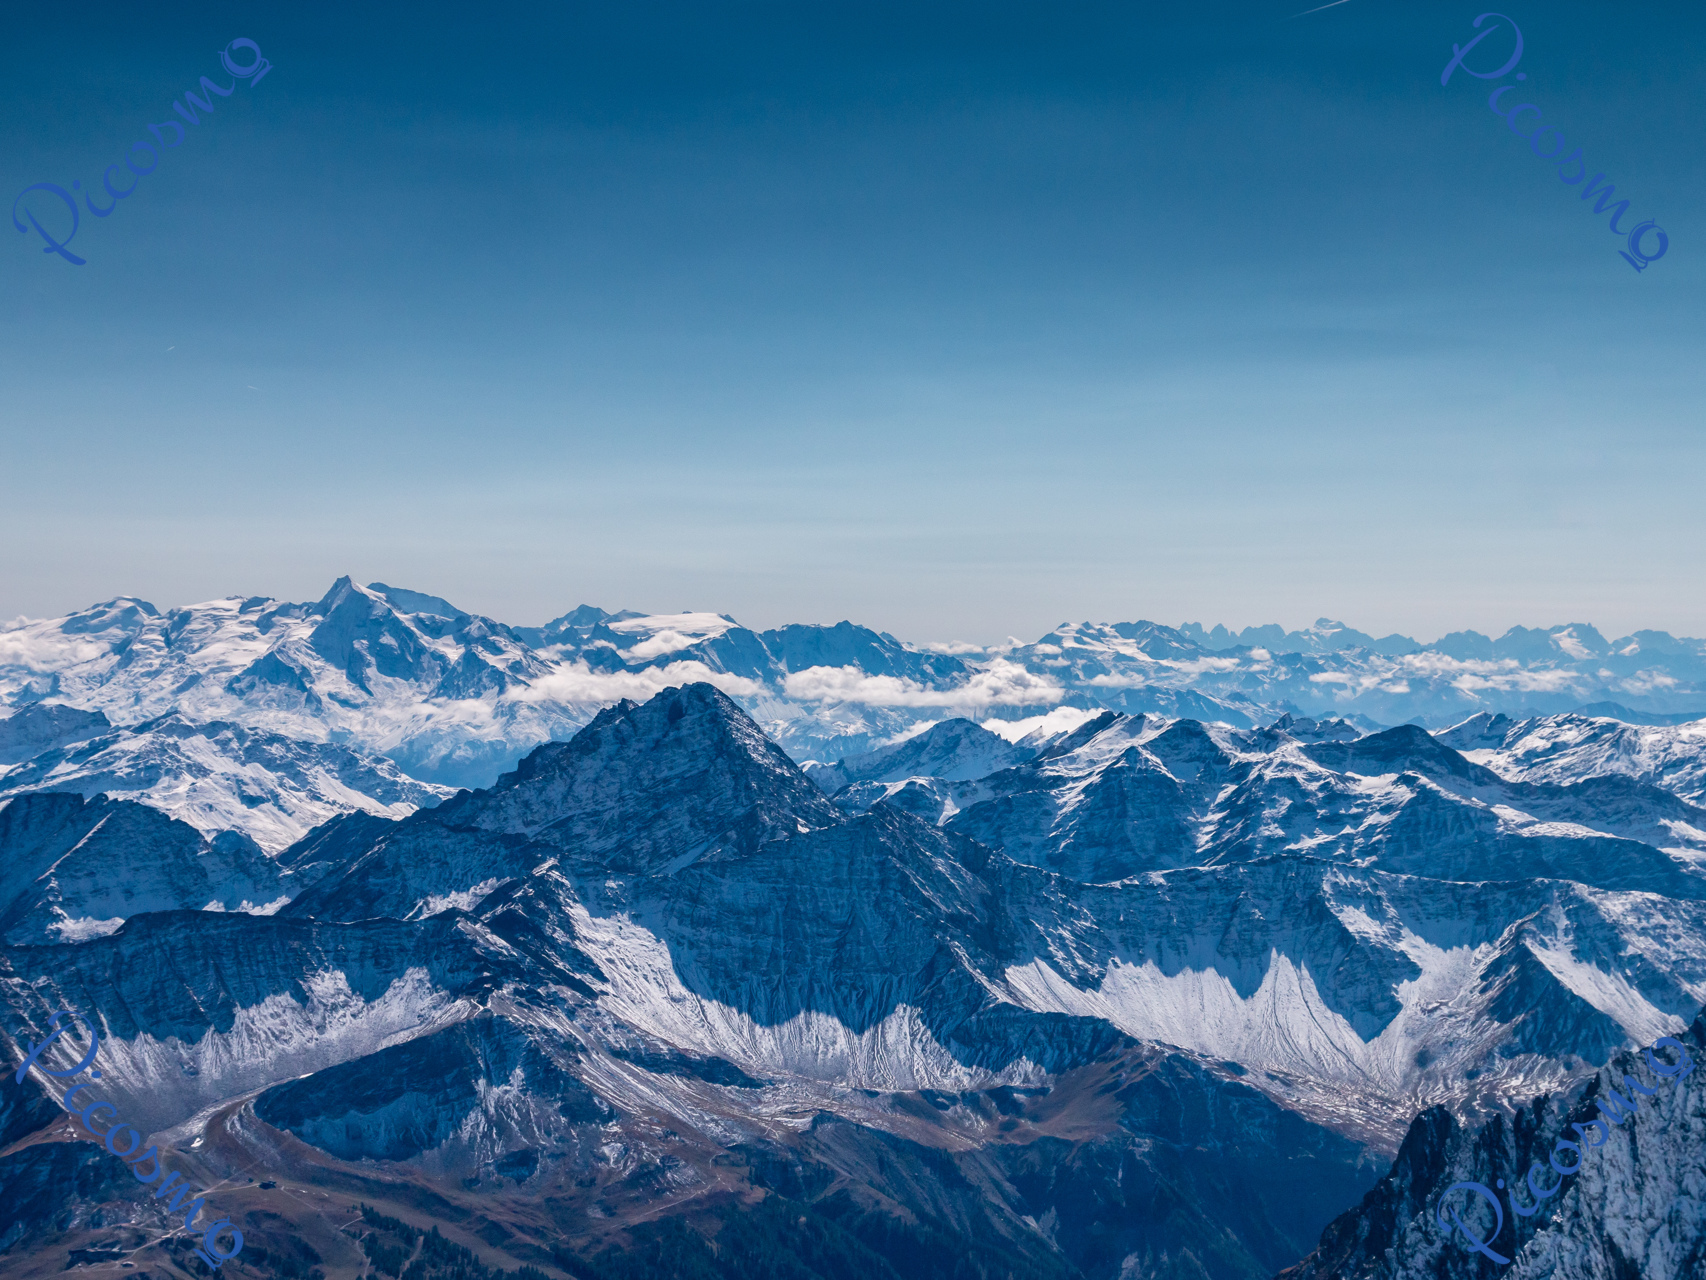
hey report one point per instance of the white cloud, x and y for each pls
(701, 626)
(41, 647)
(1001, 684)
(1060, 720)
(579, 683)
(665, 641)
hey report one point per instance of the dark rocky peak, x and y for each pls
(1191, 753)
(334, 845)
(1627, 1213)
(417, 1096)
(1084, 734)
(643, 789)
(360, 632)
(1481, 731)
(880, 911)
(493, 657)
(38, 727)
(73, 869)
(1406, 748)
(644, 785)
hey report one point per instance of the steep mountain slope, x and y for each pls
(1637, 1206)
(223, 777)
(34, 728)
(1152, 998)
(1359, 997)
(77, 869)
(682, 975)
(654, 975)
(1363, 996)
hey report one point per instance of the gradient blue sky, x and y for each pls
(955, 319)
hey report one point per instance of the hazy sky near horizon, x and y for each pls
(958, 320)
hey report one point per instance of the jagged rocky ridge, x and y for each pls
(1569, 748)
(656, 963)
(1637, 1206)
(657, 966)
(77, 869)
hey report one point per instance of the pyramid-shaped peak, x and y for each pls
(647, 783)
(338, 594)
(1405, 747)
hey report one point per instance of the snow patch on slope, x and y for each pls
(155, 1082)
(643, 990)
(1285, 1025)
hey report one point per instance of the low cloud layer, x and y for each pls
(1001, 684)
(577, 682)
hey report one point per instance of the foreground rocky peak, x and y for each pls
(640, 779)
(644, 789)
(1632, 1204)
(653, 976)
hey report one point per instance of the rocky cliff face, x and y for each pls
(1159, 1000)
(1637, 1206)
(77, 869)
(220, 777)
(653, 965)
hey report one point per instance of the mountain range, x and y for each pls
(648, 945)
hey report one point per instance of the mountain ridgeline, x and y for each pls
(1148, 998)
(650, 945)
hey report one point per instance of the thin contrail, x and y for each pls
(1335, 4)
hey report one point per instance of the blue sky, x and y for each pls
(959, 320)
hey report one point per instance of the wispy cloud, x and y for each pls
(1001, 684)
(577, 682)
(1060, 720)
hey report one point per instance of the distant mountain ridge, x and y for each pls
(268, 717)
